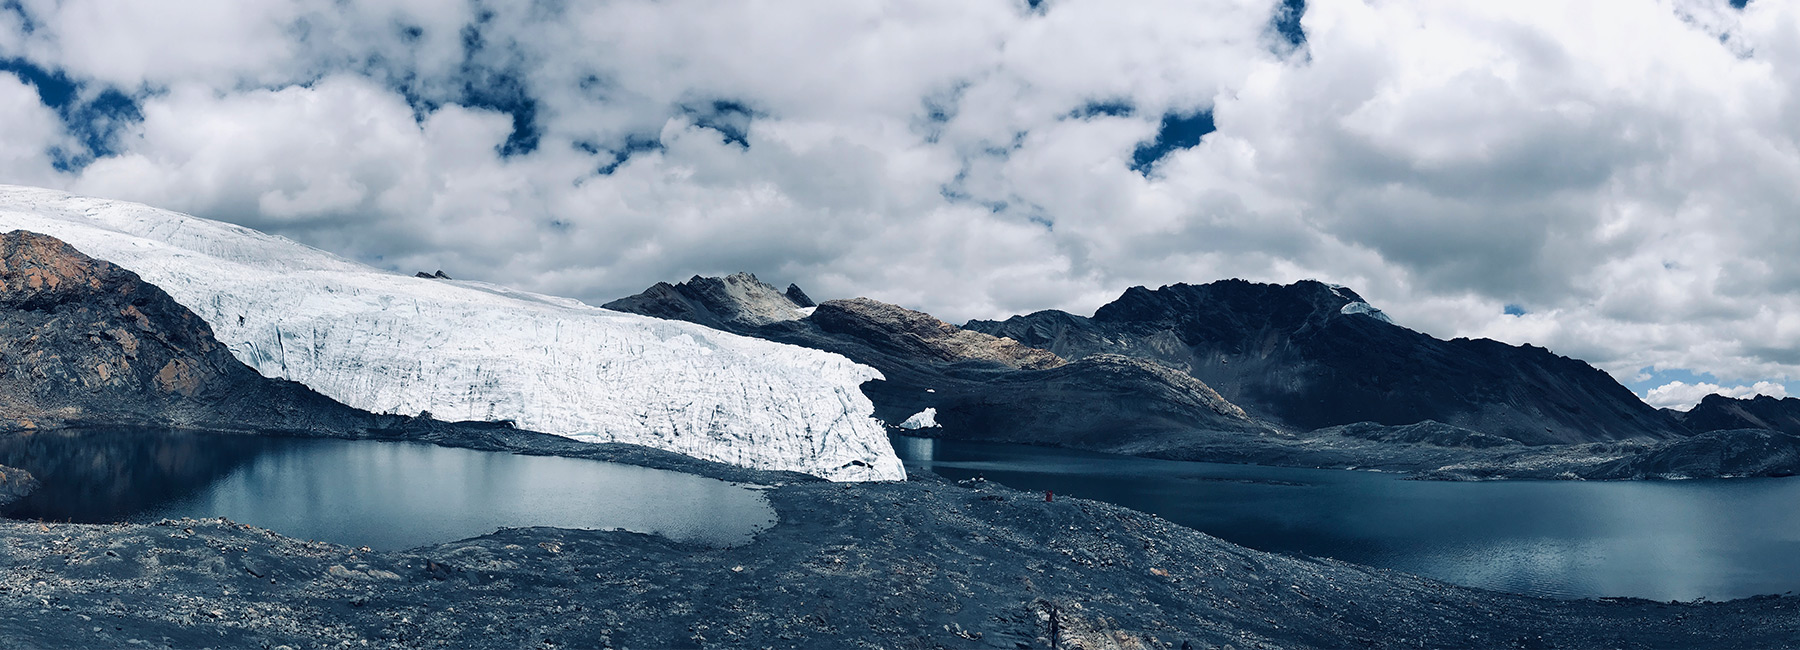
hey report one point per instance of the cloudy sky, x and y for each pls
(1617, 180)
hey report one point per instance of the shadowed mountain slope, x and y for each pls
(1311, 355)
(1718, 412)
(980, 386)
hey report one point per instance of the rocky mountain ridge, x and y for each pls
(980, 386)
(1311, 355)
(1717, 412)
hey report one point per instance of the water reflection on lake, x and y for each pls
(1663, 540)
(386, 495)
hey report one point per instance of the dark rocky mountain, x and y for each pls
(735, 302)
(981, 386)
(1718, 412)
(1310, 355)
(798, 297)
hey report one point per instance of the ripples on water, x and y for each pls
(386, 495)
(1662, 540)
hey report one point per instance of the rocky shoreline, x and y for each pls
(923, 563)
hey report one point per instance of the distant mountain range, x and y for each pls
(977, 385)
(1717, 412)
(1310, 355)
(1305, 374)
(243, 331)
(1264, 358)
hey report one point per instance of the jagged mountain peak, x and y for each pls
(892, 327)
(798, 297)
(1717, 412)
(1312, 354)
(734, 301)
(1256, 304)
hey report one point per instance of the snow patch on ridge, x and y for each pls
(1366, 309)
(391, 343)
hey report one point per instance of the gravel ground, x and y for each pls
(917, 564)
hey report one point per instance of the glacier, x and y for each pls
(459, 350)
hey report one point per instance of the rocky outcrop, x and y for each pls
(1436, 434)
(1718, 412)
(1311, 355)
(1103, 402)
(731, 303)
(978, 386)
(798, 297)
(15, 484)
(84, 341)
(905, 332)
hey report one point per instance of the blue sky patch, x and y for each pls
(500, 89)
(1658, 378)
(633, 145)
(1514, 310)
(1176, 132)
(94, 121)
(25, 21)
(1112, 108)
(730, 118)
(1286, 21)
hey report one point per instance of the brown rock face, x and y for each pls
(79, 331)
(896, 327)
(83, 341)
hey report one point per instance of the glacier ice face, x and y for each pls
(392, 343)
(925, 419)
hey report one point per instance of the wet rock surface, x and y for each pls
(917, 564)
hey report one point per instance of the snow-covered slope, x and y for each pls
(465, 350)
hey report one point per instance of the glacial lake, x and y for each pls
(1661, 540)
(385, 495)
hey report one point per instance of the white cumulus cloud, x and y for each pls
(1623, 170)
(1682, 396)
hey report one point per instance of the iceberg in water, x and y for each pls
(925, 419)
(392, 343)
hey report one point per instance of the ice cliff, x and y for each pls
(391, 343)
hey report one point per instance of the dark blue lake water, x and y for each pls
(1663, 540)
(386, 495)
